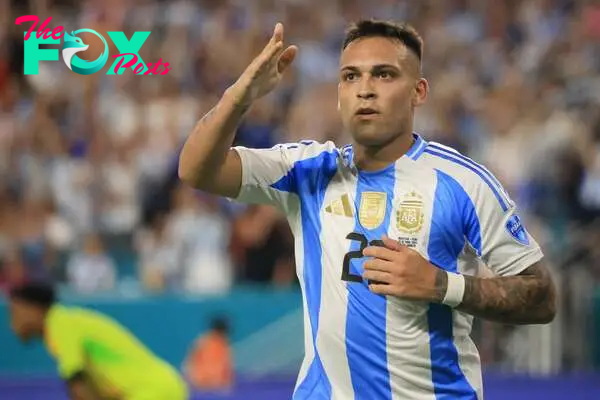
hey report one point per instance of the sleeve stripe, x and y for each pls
(452, 157)
(483, 169)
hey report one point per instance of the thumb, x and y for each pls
(286, 58)
(391, 244)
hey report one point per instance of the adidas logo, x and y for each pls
(340, 206)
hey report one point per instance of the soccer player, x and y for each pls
(97, 357)
(389, 230)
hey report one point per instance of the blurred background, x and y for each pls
(89, 195)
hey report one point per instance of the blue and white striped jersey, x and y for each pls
(360, 345)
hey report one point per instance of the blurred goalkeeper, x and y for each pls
(97, 357)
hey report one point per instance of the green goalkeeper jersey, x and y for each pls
(118, 365)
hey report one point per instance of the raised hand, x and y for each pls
(265, 71)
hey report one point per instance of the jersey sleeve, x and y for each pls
(497, 232)
(65, 344)
(268, 174)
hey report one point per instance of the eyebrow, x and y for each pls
(373, 68)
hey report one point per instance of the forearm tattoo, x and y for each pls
(527, 298)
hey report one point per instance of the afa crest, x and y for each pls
(372, 209)
(410, 215)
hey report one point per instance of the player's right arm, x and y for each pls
(207, 161)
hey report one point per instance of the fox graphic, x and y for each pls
(73, 45)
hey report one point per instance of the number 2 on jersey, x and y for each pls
(364, 242)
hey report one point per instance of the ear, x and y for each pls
(338, 98)
(421, 92)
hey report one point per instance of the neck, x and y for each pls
(373, 158)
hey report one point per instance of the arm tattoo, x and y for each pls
(527, 298)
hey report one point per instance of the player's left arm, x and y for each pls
(526, 298)
(521, 292)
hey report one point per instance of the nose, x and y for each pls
(366, 90)
(366, 95)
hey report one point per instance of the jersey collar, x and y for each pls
(413, 153)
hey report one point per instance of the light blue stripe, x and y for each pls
(455, 160)
(309, 179)
(366, 341)
(464, 216)
(417, 148)
(475, 165)
(451, 222)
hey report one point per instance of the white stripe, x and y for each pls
(468, 355)
(331, 340)
(296, 228)
(409, 361)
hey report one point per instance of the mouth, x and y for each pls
(366, 112)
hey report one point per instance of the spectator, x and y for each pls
(209, 365)
(91, 269)
(159, 256)
(12, 270)
(261, 246)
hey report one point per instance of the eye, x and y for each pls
(384, 75)
(350, 76)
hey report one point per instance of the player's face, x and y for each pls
(23, 319)
(379, 87)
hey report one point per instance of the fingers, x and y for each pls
(278, 33)
(273, 49)
(377, 277)
(383, 289)
(391, 244)
(273, 53)
(382, 253)
(286, 58)
(378, 265)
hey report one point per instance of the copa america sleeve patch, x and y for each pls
(517, 230)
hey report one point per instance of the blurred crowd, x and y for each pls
(89, 194)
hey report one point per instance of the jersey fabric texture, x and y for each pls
(453, 211)
(117, 363)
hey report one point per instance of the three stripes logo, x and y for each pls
(340, 206)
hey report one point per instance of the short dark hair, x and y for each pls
(403, 32)
(37, 293)
(220, 324)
